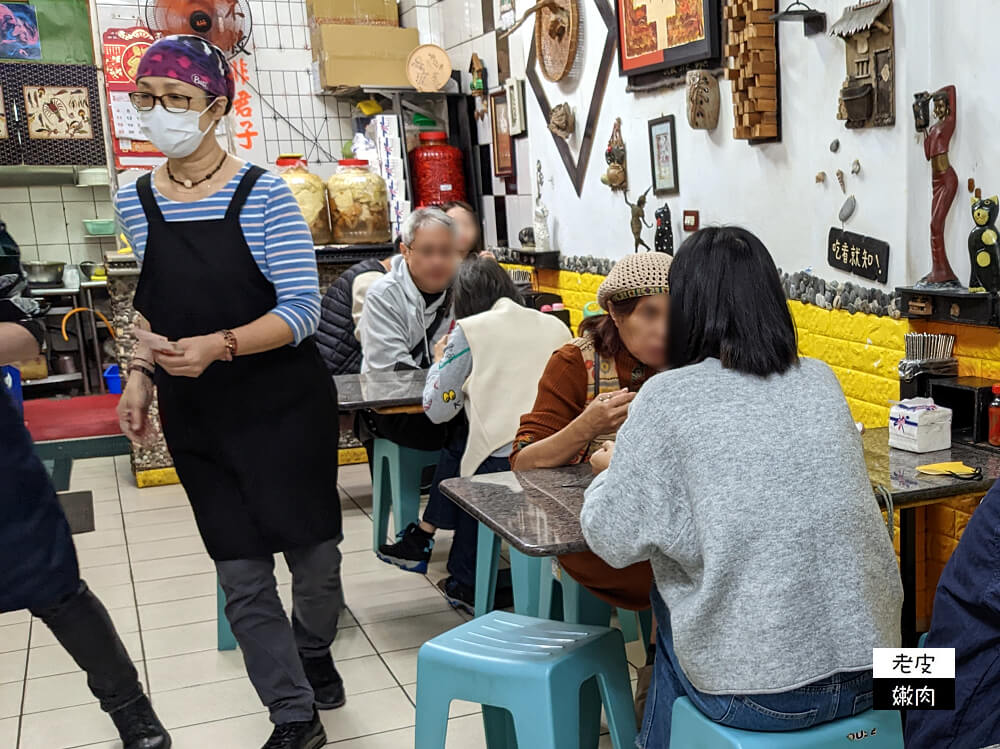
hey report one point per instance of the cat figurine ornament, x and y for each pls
(984, 248)
(663, 241)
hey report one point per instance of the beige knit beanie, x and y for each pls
(640, 274)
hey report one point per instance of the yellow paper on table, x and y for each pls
(947, 469)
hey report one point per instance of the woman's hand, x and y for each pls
(439, 349)
(133, 408)
(606, 413)
(601, 459)
(191, 356)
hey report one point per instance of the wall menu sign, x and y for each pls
(855, 253)
(122, 50)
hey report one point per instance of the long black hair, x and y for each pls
(480, 283)
(726, 302)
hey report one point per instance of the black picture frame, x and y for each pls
(708, 48)
(662, 185)
(576, 168)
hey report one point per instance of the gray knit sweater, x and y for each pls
(751, 498)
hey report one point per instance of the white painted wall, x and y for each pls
(771, 189)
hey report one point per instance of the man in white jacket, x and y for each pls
(406, 312)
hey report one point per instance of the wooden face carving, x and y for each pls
(702, 100)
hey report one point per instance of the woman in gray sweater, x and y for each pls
(740, 475)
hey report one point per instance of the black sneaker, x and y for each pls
(305, 734)
(138, 726)
(463, 597)
(411, 552)
(326, 683)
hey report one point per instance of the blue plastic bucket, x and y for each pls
(113, 379)
(10, 380)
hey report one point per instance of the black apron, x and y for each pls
(255, 440)
(37, 560)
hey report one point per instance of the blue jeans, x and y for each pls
(442, 513)
(838, 696)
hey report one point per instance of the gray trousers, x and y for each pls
(271, 646)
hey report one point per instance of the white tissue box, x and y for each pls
(919, 426)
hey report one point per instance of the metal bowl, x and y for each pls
(44, 271)
(90, 269)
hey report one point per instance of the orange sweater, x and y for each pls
(562, 394)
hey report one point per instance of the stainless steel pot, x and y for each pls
(43, 271)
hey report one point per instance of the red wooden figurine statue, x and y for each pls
(944, 181)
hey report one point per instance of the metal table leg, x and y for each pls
(89, 298)
(81, 345)
(908, 572)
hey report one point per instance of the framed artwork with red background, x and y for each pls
(658, 34)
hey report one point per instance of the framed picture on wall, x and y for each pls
(658, 34)
(663, 155)
(503, 145)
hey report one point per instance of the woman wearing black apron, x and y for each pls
(248, 411)
(38, 566)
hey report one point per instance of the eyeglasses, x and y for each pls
(175, 103)
(429, 252)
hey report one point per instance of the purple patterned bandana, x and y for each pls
(189, 59)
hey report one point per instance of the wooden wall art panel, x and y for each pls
(753, 71)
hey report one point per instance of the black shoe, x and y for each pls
(304, 734)
(411, 552)
(138, 726)
(326, 683)
(463, 597)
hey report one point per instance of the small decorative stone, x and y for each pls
(834, 145)
(856, 167)
(847, 210)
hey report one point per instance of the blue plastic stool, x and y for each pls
(396, 480)
(579, 605)
(527, 673)
(225, 638)
(524, 571)
(880, 729)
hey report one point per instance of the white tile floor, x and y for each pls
(148, 565)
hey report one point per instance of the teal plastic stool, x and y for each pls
(561, 597)
(225, 638)
(527, 673)
(524, 571)
(880, 729)
(922, 642)
(396, 484)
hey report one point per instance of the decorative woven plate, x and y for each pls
(556, 38)
(428, 68)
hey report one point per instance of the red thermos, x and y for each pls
(994, 436)
(438, 176)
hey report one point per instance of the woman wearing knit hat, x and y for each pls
(584, 396)
(741, 477)
(229, 288)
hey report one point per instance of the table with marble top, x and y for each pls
(386, 392)
(538, 511)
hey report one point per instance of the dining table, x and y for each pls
(538, 511)
(385, 392)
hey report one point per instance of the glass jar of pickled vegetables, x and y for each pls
(359, 204)
(309, 192)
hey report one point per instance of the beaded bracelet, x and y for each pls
(134, 367)
(232, 346)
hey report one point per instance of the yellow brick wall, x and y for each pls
(863, 351)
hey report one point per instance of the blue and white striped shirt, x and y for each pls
(274, 228)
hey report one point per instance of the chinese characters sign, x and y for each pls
(243, 106)
(914, 678)
(855, 253)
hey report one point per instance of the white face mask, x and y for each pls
(175, 134)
